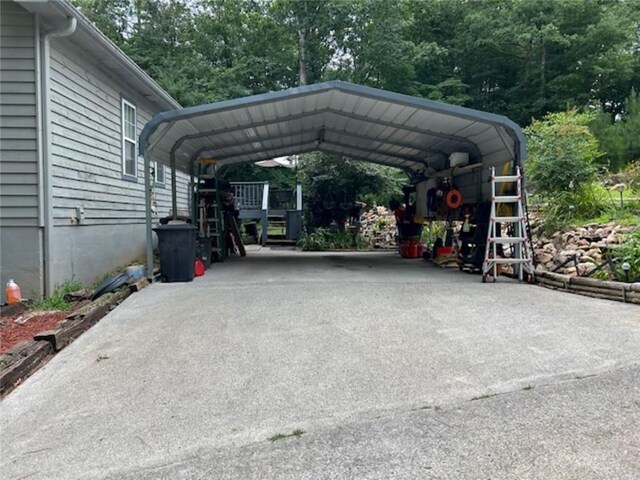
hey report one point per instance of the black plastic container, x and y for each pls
(177, 251)
(203, 251)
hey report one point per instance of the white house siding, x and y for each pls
(20, 234)
(87, 169)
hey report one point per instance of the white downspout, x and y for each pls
(47, 137)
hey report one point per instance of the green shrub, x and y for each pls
(565, 208)
(362, 243)
(341, 240)
(562, 152)
(324, 239)
(313, 242)
(628, 251)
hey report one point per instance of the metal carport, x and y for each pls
(364, 123)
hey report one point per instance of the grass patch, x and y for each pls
(281, 436)
(276, 230)
(627, 216)
(57, 300)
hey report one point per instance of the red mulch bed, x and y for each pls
(12, 333)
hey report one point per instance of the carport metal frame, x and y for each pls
(162, 124)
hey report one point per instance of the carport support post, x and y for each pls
(192, 200)
(174, 196)
(147, 201)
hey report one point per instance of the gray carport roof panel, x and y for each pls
(363, 122)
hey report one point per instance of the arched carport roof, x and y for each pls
(337, 117)
(364, 123)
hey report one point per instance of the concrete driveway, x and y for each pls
(383, 367)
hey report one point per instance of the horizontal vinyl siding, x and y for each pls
(18, 141)
(87, 148)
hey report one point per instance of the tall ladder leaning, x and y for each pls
(520, 253)
(210, 212)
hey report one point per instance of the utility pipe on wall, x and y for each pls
(47, 173)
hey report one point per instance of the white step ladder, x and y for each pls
(521, 258)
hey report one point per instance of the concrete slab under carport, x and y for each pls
(392, 368)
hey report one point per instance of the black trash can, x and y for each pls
(177, 251)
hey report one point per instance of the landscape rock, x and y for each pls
(588, 243)
(378, 227)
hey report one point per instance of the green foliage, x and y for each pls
(432, 231)
(362, 243)
(562, 167)
(518, 58)
(630, 176)
(566, 208)
(278, 177)
(381, 224)
(331, 182)
(323, 239)
(379, 52)
(57, 300)
(314, 241)
(628, 251)
(112, 17)
(526, 58)
(341, 240)
(562, 152)
(619, 138)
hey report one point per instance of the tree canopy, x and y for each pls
(519, 58)
(522, 58)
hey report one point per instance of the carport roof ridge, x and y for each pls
(337, 117)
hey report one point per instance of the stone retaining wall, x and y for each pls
(588, 243)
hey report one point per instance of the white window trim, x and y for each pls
(125, 139)
(156, 167)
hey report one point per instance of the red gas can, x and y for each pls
(199, 268)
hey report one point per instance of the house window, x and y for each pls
(129, 141)
(159, 172)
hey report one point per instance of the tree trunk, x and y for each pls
(302, 56)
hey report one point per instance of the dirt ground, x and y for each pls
(23, 326)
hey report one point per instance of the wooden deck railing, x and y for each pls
(249, 195)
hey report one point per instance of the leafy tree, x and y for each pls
(520, 58)
(376, 44)
(562, 164)
(278, 177)
(331, 183)
(562, 152)
(112, 17)
(620, 139)
(524, 58)
(314, 27)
